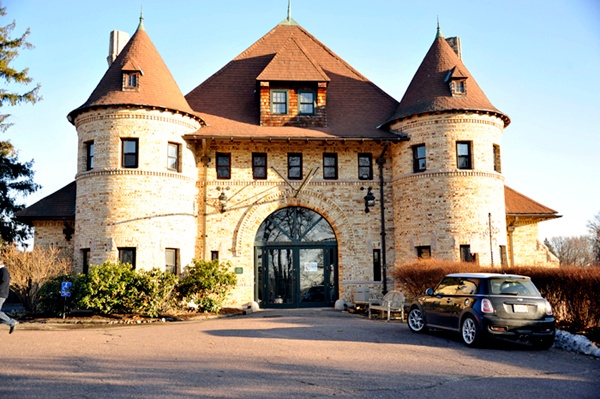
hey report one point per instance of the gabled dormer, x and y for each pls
(457, 82)
(132, 73)
(293, 89)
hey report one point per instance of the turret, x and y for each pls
(136, 176)
(448, 187)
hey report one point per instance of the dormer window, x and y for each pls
(457, 81)
(131, 76)
(306, 102)
(279, 102)
(458, 87)
(131, 81)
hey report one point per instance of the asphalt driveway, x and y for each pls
(300, 353)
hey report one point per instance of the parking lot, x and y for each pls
(299, 353)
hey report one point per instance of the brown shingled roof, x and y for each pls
(157, 88)
(518, 204)
(59, 205)
(292, 63)
(228, 103)
(429, 89)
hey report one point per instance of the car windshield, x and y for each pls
(512, 286)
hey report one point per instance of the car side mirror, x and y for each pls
(429, 292)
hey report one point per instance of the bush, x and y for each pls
(29, 271)
(117, 288)
(207, 283)
(51, 302)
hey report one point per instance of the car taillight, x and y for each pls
(486, 306)
(548, 308)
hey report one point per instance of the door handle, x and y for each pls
(448, 300)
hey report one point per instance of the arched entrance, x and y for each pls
(296, 260)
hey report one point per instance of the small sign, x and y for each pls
(239, 270)
(64, 288)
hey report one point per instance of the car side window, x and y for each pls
(448, 286)
(467, 287)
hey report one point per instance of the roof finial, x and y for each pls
(439, 33)
(141, 26)
(288, 20)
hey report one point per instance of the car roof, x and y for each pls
(486, 275)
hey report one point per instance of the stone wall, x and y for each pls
(341, 202)
(528, 250)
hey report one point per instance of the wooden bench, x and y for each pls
(392, 302)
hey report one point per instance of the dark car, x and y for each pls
(486, 305)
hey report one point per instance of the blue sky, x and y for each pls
(537, 61)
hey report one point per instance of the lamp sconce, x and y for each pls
(369, 199)
(222, 199)
(68, 230)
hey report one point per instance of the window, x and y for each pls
(127, 255)
(131, 81)
(130, 153)
(423, 252)
(173, 157)
(365, 166)
(259, 165)
(458, 87)
(497, 164)
(85, 260)
(214, 255)
(294, 166)
(463, 155)
(279, 103)
(377, 265)
(419, 158)
(89, 158)
(466, 255)
(171, 260)
(330, 166)
(306, 102)
(223, 165)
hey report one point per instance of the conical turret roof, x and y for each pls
(157, 87)
(429, 91)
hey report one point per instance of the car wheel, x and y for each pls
(470, 331)
(416, 321)
(543, 343)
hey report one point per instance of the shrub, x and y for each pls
(207, 283)
(29, 271)
(117, 288)
(51, 302)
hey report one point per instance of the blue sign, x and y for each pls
(64, 288)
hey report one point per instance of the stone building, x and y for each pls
(294, 167)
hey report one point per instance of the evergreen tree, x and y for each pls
(16, 178)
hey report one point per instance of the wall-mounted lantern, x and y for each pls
(369, 199)
(222, 201)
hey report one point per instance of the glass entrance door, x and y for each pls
(296, 260)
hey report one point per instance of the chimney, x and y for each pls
(454, 42)
(118, 40)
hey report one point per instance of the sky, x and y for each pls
(538, 61)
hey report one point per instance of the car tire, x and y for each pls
(543, 343)
(416, 320)
(470, 332)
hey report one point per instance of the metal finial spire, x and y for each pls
(141, 26)
(289, 14)
(439, 30)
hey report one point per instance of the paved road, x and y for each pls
(307, 353)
